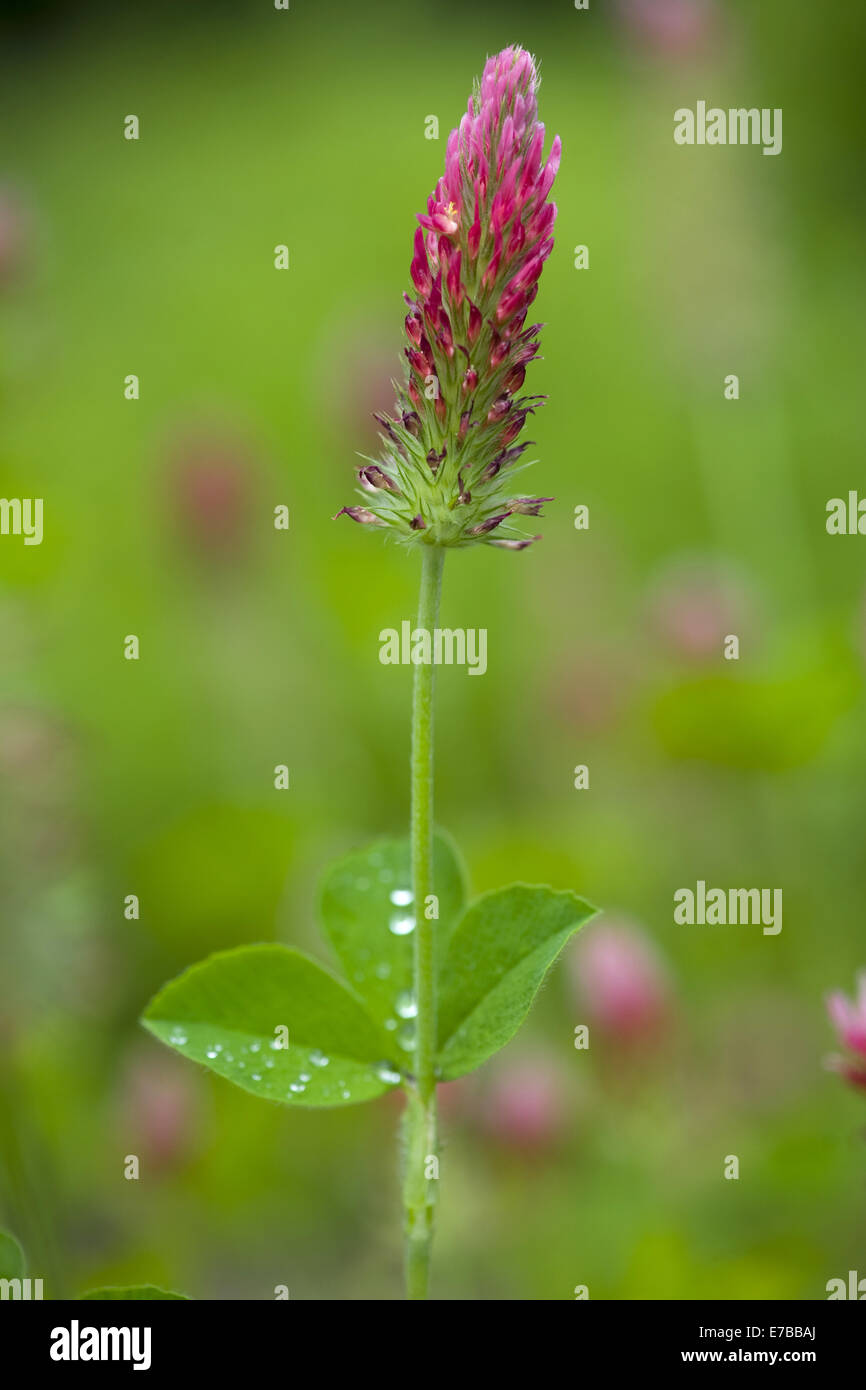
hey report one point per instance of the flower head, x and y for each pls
(444, 475)
(526, 1108)
(622, 983)
(848, 1017)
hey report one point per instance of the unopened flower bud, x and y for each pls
(361, 514)
(499, 408)
(374, 479)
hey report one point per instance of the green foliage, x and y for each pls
(213, 878)
(754, 725)
(228, 1011)
(366, 907)
(133, 1291)
(12, 1262)
(494, 966)
(348, 1043)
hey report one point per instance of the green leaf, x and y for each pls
(366, 907)
(497, 958)
(134, 1291)
(226, 1013)
(12, 1261)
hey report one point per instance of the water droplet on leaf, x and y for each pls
(386, 1073)
(401, 925)
(405, 1005)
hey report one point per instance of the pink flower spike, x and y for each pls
(479, 249)
(420, 270)
(551, 169)
(453, 282)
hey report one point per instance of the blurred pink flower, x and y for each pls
(210, 479)
(159, 1111)
(669, 26)
(526, 1106)
(848, 1017)
(621, 982)
(695, 604)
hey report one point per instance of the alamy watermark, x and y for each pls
(22, 516)
(77, 1343)
(729, 907)
(736, 126)
(24, 1290)
(853, 1287)
(444, 646)
(846, 516)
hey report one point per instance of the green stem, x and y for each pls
(421, 1155)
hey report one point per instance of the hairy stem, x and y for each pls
(421, 1156)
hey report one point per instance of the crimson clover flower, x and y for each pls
(449, 452)
(848, 1017)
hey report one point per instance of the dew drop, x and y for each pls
(390, 1024)
(177, 1037)
(406, 1036)
(212, 1052)
(401, 925)
(319, 1059)
(255, 1047)
(406, 1006)
(304, 1076)
(401, 897)
(297, 1088)
(347, 1095)
(383, 970)
(257, 1076)
(386, 1073)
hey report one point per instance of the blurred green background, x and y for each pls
(259, 647)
